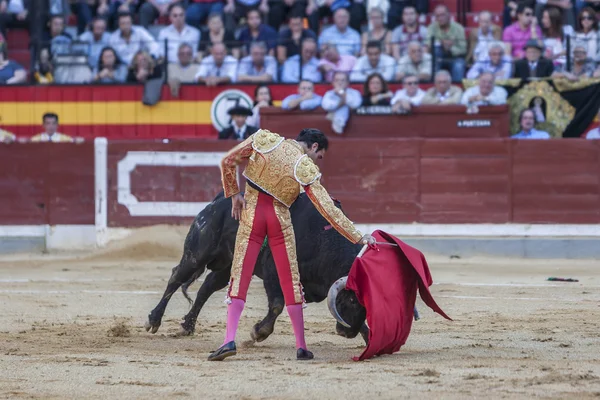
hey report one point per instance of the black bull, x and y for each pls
(324, 256)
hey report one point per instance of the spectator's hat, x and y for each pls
(240, 110)
(533, 43)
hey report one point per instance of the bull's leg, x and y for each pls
(181, 274)
(264, 328)
(215, 281)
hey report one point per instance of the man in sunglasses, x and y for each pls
(524, 29)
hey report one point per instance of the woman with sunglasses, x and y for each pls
(587, 32)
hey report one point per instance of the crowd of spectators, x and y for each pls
(250, 41)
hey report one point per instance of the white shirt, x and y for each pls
(363, 68)
(402, 95)
(209, 68)
(497, 97)
(331, 100)
(140, 39)
(174, 39)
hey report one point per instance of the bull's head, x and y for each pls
(345, 308)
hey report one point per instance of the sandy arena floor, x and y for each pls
(72, 327)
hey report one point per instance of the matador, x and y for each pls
(277, 170)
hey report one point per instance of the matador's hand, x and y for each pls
(368, 239)
(237, 205)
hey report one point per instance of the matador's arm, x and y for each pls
(229, 165)
(307, 173)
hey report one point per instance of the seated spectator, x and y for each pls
(182, 71)
(374, 61)
(527, 122)
(377, 33)
(453, 45)
(262, 98)
(44, 71)
(109, 68)
(258, 66)
(256, 31)
(305, 99)
(481, 38)
(118, 7)
(415, 62)
(485, 93)
(497, 63)
(409, 31)
(304, 66)
(555, 34)
(216, 33)
(593, 131)
(346, 38)
(376, 91)
(128, 40)
(410, 95)
(218, 68)
(565, 8)
(339, 101)
(97, 38)
(150, 10)
(443, 92)
(199, 11)
(333, 62)
(51, 134)
(13, 14)
(519, 33)
(533, 65)
(235, 10)
(6, 136)
(239, 129)
(326, 8)
(177, 33)
(582, 67)
(56, 36)
(142, 68)
(280, 11)
(11, 72)
(587, 32)
(291, 38)
(397, 7)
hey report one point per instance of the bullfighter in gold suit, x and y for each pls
(277, 169)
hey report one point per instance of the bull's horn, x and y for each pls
(338, 285)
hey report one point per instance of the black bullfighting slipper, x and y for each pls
(302, 354)
(227, 350)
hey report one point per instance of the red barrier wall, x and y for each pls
(378, 181)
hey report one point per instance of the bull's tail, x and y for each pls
(188, 283)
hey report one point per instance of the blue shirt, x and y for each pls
(9, 71)
(309, 104)
(95, 47)
(348, 43)
(265, 34)
(532, 134)
(291, 70)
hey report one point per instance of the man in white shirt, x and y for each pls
(340, 101)
(129, 39)
(218, 67)
(373, 61)
(484, 94)
(410, 95)
(177, 33)
(258, 66)
(305, 99)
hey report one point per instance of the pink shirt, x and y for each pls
(345, 64)
(517, 38)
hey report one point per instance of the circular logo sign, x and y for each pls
(224, 101)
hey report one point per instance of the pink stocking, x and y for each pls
(234, 312)
(295, 312)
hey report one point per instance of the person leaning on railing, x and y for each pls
(410, 95)
(109, 69)
(443, 92)
(339, 101)
(306, 99)
(376, 91)
(486, 93)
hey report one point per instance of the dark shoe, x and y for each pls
(302, 354)
(227, 350)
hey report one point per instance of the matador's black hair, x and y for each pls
(312, 135)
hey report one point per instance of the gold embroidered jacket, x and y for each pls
(280, 167)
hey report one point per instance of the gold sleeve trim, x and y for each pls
(306, 171)
(323, 203)
(229, 165)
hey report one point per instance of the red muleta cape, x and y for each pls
(385, 280)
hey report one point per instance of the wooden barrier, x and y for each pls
(424, 122)
(378, 180)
